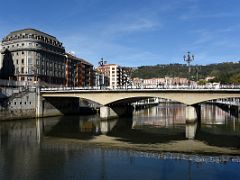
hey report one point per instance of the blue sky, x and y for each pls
(133, 32)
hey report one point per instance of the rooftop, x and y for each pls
(78, 59)
(32, 31)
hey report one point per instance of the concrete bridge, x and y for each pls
(107, 98)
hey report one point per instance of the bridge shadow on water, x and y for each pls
(88, 127)
(141, 137)
(73, 127)
(153, 135)
(124, 131)
(217, 139)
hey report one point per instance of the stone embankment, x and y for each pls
(23, 103)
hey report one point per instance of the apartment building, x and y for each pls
(113, 75)
(79, 72)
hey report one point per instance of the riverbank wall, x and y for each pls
(22, 103)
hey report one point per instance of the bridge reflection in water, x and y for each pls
(162, 124)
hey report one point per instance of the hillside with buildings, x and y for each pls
(227, 72)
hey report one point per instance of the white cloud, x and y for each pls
(140, 24)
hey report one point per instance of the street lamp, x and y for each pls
(101, 62)
(189, 58)
(101, 75)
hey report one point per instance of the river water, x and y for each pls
(83, 147)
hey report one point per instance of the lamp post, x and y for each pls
(101, 75)
(188, 58)
(101, 62)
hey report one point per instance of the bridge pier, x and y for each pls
(39, 104)
(116, 110)
(107, 113)
(191, 129)
(193, 120)
(191, 114)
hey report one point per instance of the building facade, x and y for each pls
(36, 56)
(113, 75)
(159, 82)
(39, 57)
(79, 73)
(99, 79)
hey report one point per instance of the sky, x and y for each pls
(133, 32)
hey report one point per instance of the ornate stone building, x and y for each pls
(36, 56)
(40, 57)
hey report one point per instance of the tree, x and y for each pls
(235, 78)
(202, 82)
(8, 68)
(225, 72)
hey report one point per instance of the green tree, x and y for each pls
(202, 82)
(8, 68)
(235, 78)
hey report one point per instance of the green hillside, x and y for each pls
(227, 72)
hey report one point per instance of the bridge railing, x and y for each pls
(200, 87)
(229, 101)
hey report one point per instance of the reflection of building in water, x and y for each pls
(87, 126)
(173, 113)
(96, 126)
(212, 114)
(19, 132)
(166, 114)
(19, 149)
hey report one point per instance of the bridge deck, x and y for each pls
(186, 96)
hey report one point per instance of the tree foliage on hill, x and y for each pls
(171, 70)
(227, 72)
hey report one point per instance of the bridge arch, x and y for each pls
(188, 97)
(121, 99)
(185, 99)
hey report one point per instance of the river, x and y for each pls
(154, 144)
